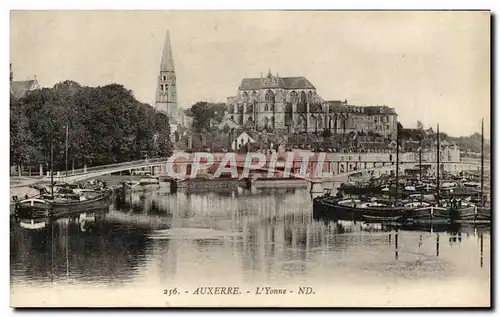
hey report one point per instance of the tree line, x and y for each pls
(428, 137)
(106, 125)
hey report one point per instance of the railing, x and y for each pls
(131, 164)
(135, 164)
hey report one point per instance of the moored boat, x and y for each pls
(33, 224)
(150, 180)
(87, 201)
(32, 208)
(62, 204)
(356, 209)
(132, 185)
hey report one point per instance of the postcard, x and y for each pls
(250, 159)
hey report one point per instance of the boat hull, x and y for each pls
(332, 210)
(101, 201)
(56, 209)
(31, 212)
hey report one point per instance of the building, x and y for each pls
(228, 123)
(292, 104)
(166, 91)
(185, 120)
(19, 88)
(242, 140)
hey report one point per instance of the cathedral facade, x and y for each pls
(292, 104)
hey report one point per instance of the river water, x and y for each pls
(152, 241)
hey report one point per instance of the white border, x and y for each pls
(189, 5)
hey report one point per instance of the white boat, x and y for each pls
(32, 224)
(416, 204)
(472, 184)
(149, 181)
(448, 185)
(133, 185)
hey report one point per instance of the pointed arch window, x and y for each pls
(164, 77)
(269, 96)
(266, 107)
(161, 87)
(303, 97)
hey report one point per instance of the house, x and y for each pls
(229, 123)
(19, 88)
(242, 140)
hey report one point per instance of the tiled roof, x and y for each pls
(18, 89)
(284, 82)
(297, 83)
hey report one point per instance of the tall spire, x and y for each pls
(167, 61)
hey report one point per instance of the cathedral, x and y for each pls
(166, 91)
(292, 105)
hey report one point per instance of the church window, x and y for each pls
(161, 87)
(310, 95)
(269, 96)
(164, 77)
(272, 107)
(266, 107)
(294, 96)
(303, 97)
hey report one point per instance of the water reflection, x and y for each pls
(236, 235)
(86, 247)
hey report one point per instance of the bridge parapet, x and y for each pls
(90, 172)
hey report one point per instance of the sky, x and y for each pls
(430, 66)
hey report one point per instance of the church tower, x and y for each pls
(166, 91)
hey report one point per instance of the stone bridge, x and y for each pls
(331, 168)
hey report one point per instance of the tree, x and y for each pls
(106, 125)
(205, 115)
(22, 149)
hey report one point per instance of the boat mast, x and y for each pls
(397, 160)
(482, 161)
(67, 133)
(438, 157)
(420, 166)
(420, 159)
(52, 168)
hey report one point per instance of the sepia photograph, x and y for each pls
(337, 159)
